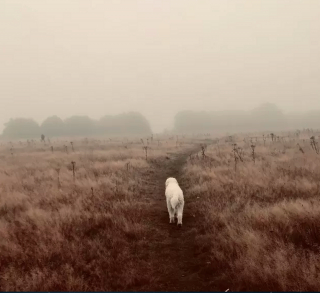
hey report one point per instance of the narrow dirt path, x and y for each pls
(171, 249)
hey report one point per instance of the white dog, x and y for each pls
(175, 200)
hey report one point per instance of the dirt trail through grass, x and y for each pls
(171, 253)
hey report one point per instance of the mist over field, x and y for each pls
(102, 101)
(158, 58)
(266, 117)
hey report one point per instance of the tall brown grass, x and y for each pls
(57, 233)
(260, 222)
(257, 225)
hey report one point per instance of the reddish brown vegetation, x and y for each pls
(87, 230)
(261, 222)
(105, 226)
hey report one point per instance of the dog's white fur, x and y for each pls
(175, 200)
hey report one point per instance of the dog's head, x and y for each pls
(171, 180)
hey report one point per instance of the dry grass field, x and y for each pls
(250, 222)
(260, 221)
(81, 232)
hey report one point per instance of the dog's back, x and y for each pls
(174, 196)
(173, 190)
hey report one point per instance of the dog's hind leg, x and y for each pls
(180, 213)
(170, 211)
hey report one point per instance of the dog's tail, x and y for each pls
(174, 202)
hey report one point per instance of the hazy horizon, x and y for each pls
(97, 57)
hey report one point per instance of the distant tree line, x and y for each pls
(267, 117)
(123, 124)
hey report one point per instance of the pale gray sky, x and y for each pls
(158, 57)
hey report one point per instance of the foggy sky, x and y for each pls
(81, 57)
